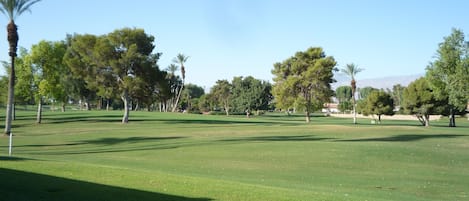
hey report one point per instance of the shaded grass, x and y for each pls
(196, 157)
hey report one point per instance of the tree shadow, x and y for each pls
(107, 145)
(288, 138)
(227, 121)
(403, 138)
(58, 119)
(11, 158)
(25, 186)
(130, 140)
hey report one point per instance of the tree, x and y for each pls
(304, 80)
(352, 70)
(365, 91)
(221, 92)
(12, 9)
(419, 100)
(449, 73)
(378, 103)
(397, 94)
(250, 94)
(344, 95)
(190, 96)
(181, 59)
(24, 86)
(85, 65)
(127, 56)
(47, 58)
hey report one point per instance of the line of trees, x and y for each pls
(117, 69)
(241, 95)
(443, 91)
(120, 70)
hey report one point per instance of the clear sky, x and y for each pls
(227, 38)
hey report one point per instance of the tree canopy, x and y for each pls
(378, 103)
(303, 81)
(419, 100)
(449, 73)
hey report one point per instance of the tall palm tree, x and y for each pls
(181, 60)
(172, 68)
(12, 9)
(352, 70)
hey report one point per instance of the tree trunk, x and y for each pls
(354, 88)
(11, 94)
(379, 119)
(354, 102)
(227, 110)
(427, 120)
(107, 104)
(137, 106)
(63, 107)
(308, 119)
(125, 98)
(87, 105)
(12, 31)
(178, 97)
(421, 119)
(452, 120)
(39, 112)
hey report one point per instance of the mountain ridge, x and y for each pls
(386, 82)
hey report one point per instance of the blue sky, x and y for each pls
(227, 38)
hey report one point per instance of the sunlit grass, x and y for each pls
(200, 157)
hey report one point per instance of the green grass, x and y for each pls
(81, 155)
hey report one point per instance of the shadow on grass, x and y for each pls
(403, 138)
(57, 119)
(25, 186)
(106, 141)
(289, 138)
(114, 141)
(11, 158)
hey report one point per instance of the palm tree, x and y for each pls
(180, 59)
(172, 68)
(352, 70)
(13, 9)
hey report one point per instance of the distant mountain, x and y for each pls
(379, 83)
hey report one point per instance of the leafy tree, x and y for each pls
(205, 103)
(181, 59)
(127, 56)
(304, 80)
(420, 100)
(3, 89)
(24, 86)
(85, 65)
(365, 91)
(345, 105)
(378, 103)
(222, 94)
(352, 70)
(12, 9)
(344, 96)
(397, 94)
(190, 96)
(343, 93)
(47, 58)
(449, 73)
(250, 94)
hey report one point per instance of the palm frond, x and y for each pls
(180, 59)
(351, 70)
(14, 8)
